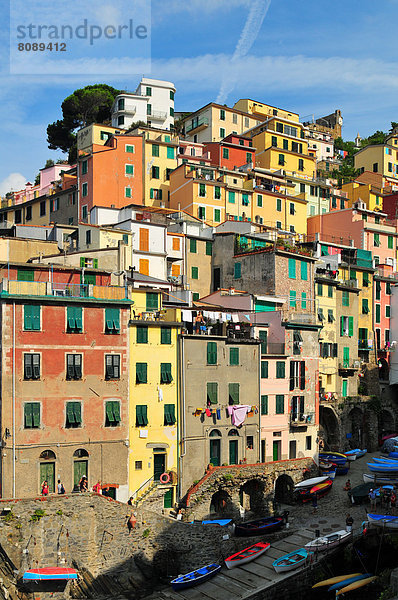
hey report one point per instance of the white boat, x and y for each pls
(311, 482)
(291, 561)
(376, 479)
(326, 542)
(386, 521)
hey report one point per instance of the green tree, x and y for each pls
(91, 104)
(378, 137)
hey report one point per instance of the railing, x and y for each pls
(158, 114)
(386, 271)
(303, 318)
(70, 290)
(202, 122)
(143, 487)
(273, 348)
(165, 315)
(352, 283)
(298, 419)
(364, 344)
(348, 365)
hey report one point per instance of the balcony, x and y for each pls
(157, 115)
(169, 315)
(365, 344)
(298, 419)
(197, 125)
(273, 348)
(69, 290)
(349, 365)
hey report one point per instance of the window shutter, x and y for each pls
(233, 389)
(109, 412)
(211, 353)
(116, 319)
(70, 413)
(79, 318)
(350, 326)
(36, 414)
(304, 270)
(302, 375)
(138, 415)
(109, 366)
(28, 415)
(263, 335)
(70, 371)
(70, 316)
(28, 317)
(28, 371)
(36, 366)
(264, 369)
(341, 325)
(234, 356)
(82, 262)
(35, 317)
(212, 393)
(78, 413)
(78, 366)
(165, 335)
(279, 404)
(141, 372)
(292, 268)
(335, 350)
(291, 381)
(144, 414)
(264, 405)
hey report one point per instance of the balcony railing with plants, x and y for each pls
(298, 419)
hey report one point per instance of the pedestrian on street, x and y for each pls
(393, 502)
(372, 498)
(349, 523)
(314, 504)
(60, 487)
(45, 490)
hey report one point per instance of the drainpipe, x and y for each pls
(259, 407)
(13, 400)
(182, 413)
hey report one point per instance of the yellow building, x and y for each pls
(366, 192)
(153, 403)
(262, 111)
(95, 134)
(326, 298)
(281, 146)
(159, 160)
(214, 122)
(379, 158)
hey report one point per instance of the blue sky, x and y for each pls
(310, 57)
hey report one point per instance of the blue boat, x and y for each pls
(341, 584)
(343, 469)
(393, 455)
(335, 457)
(354, 454)
(387, 467)
(50, 574)
(291, 561)
(220, 522)
(259, 526)
(386, 521)
(195, 577)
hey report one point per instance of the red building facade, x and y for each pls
(232, 152)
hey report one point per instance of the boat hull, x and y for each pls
(385, 521)
(346, 582)
(383, 467)
(307, 483)
(374, 478)
(248, 554)
(195, 577)
(356, 585)
(320, 490)
(258, 527)
(327, 542)
(333, 580)
(49, 574)
(291, 561)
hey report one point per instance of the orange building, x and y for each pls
(112, 174)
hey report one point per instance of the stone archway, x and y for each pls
(252, 497)
(221, 504)
(355, 427)
(284, 490)
(330, 428)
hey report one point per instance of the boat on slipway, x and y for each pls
(195, 577)
(327, 542)
(259, 526)
(291, 561)
(49, 574)
(248, 554)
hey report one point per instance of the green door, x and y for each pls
(47, 473)
(276, 450)
(168, 499)
(233, 452)
(80, 469)
(215, 451)
(159, 465)
(344, 389)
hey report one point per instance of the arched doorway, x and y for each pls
(329, 427)
(80, 466)
(251, 496)
(233, 446)
(284, 490)
(47, 469)
(384, 371)
(355, 427)
(221, 503)
(215, 447)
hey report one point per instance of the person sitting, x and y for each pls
(347, 486)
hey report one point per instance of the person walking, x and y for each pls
(349, 522)
(372, 498)
(314, 504)
(45, 490)
(393, 502)
(97, 487)
(60, 487)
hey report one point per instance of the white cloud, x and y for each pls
(247, 38)
(14, 181)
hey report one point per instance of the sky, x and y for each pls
(309, 57)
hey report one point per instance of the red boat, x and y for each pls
(50, 574)
(246, 555)
(320, 490)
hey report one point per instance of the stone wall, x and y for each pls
(245, 490)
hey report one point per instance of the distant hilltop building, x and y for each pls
(330, 124)
(152, 103)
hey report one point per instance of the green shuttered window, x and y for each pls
(169, 414)
(264, 405)
(233, 393)
(141, 415)
(73, 414)
(165, 335)
(152, 301)
(212, 393)
(279, 404)
(292, 268)
(280, 370)
(234, 356)
(142, 334)
(112, 320)
(141, 372)
(112, 413)
(211, 353)
(31, 317)
(165, 373)
(304, 270)
(263, 335)
(32, 415)
(264, 369)
(74, 318)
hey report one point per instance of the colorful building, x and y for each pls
(213, 122)
(380, 158)
(64, 387)
(264, 111)
(232, 152)
(153, 396)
